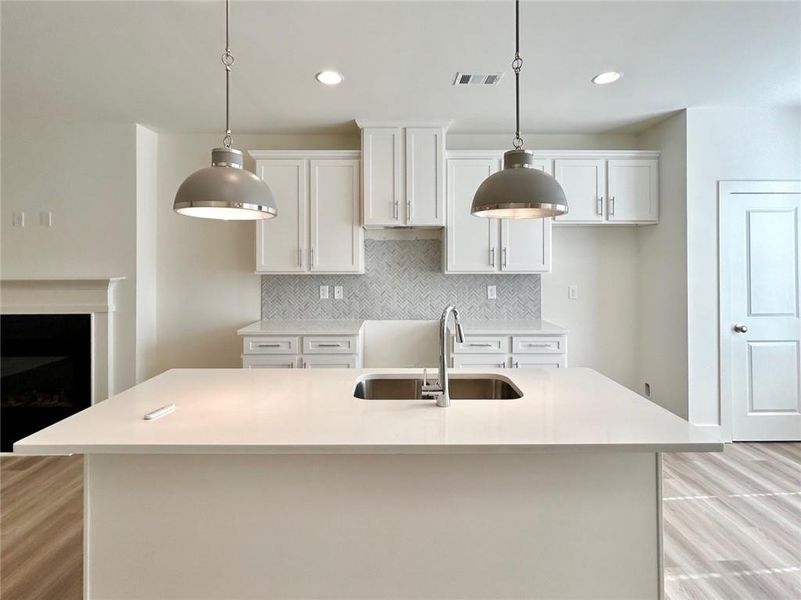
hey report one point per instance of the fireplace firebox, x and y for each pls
(46, 370)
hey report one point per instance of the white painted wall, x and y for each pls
(85, 172)
(207, 288)
(602, 324)
(662, 273)
(146, 263)
(724, 144)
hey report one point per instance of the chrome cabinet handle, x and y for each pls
(537, 345)
(311, 256)
(504, 255)
(408, 210)
(268, 345)
(329, 345)
(395, 209)
(477, 345)
(612, 205)
(291, 365)
(740, 329)
(492, 256)
(306, 365)
(517, 364)
(300, 257)
(599, 205)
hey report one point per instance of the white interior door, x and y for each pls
(472, 242)
(760, 326)
(281, 242)
(336, 238)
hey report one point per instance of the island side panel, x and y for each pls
(228, 527)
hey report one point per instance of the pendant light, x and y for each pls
(225, 190)
(519, 191)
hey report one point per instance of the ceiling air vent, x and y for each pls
(477, 78)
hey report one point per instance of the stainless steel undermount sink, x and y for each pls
(462, 387)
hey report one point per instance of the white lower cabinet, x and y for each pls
(302, 351)
(480, 245)
(513, 351)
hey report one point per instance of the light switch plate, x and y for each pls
(323, 292)
(572, 292)
(492, 292)
(337, 292)
(18, 219)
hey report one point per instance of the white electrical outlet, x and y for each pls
(19, 219)
(572, 292)
(337, 292)
(492, 293)
(46, 218)
(323, 292)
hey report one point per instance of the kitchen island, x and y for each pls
(282, 484)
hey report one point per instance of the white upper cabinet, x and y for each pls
(609, 188)
(282, 241)
(382, 164)
(481, 245)
(318, 225)
(336, 239)
(633, 190)
(471, 242)
(584, 183)
(403, 175)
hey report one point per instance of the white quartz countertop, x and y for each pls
(303, 327)
(510, 326)
(309, 411)
(353, 326)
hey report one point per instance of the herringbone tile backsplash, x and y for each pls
(403, 279)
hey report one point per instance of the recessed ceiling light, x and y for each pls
(329, 77)
(607, 77)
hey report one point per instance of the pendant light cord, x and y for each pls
(517, 64)
(227, 60)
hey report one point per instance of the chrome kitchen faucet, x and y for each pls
(439, 391)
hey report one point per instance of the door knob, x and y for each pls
(740, 329)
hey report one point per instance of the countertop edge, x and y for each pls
(377, 449)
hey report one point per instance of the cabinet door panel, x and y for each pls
(471, 241)
(526, 245)
(584, 183)
(556, 361)
(381, 148)
(345, 361)
(281, 242)
(336, 238)
(633, 190)
(270, 362)
(425, 180)
(478, 361)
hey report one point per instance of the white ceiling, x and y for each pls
(157, 63)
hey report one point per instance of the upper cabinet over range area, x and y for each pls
(403, 174)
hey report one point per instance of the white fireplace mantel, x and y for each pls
(71, 295)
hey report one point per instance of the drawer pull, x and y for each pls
(517, 364)
(537, 345)
(476, 345)
(268, 345)
(329, 345)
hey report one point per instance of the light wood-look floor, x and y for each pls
(41, 528)
(732, 525)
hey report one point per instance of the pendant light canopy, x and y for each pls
(519, 190)
(225, 190)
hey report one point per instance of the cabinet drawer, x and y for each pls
(274, 344)
(270, 362)
(538, 345)
(477, 361)
(330, 345)
(527, 361)
(344, 361)
(482, 344)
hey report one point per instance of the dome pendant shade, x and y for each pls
(519, 191)
(225, 191)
